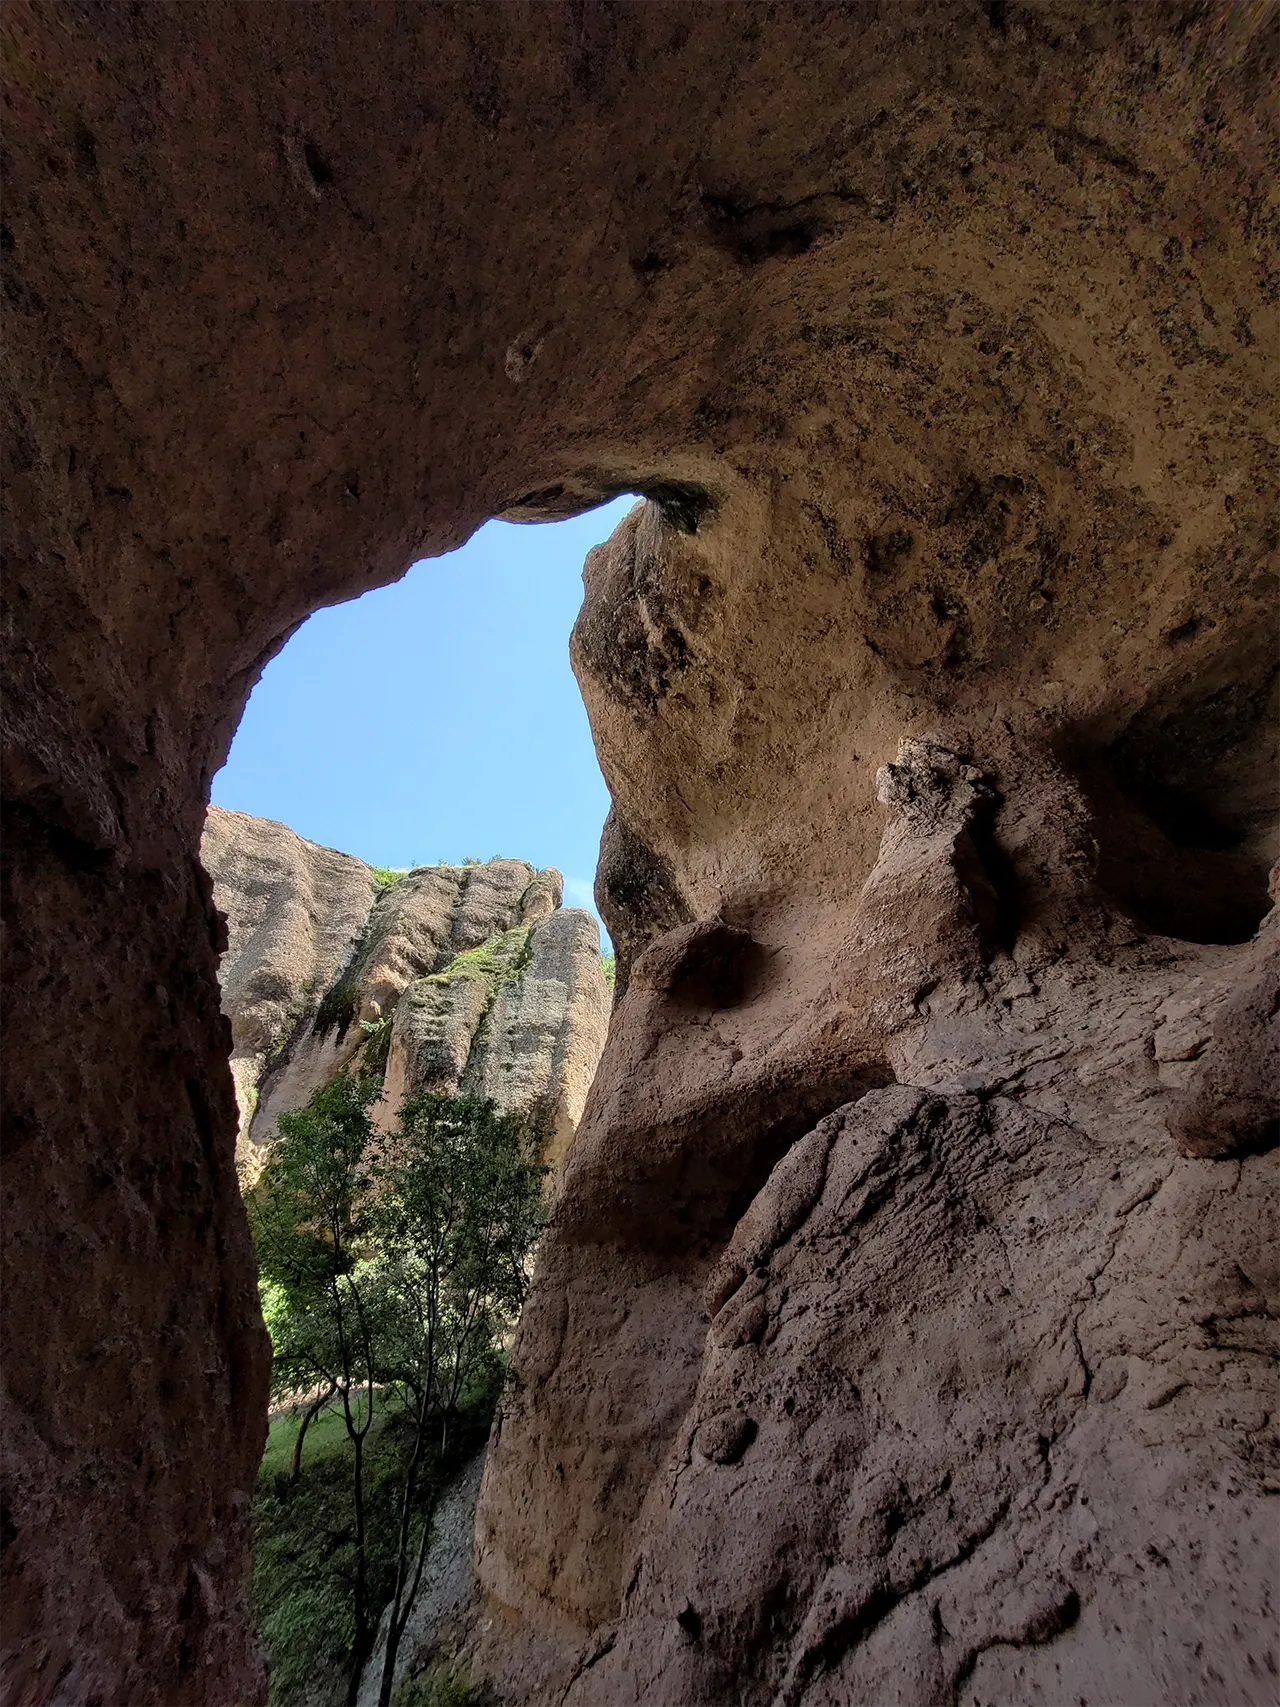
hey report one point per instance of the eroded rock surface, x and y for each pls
(295, 912)
(983, 1373)
(467, 979)
(941, 1432)
(940, 340)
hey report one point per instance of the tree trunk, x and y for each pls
(398, 1622)
(313, 1411)
(362, 1644)
(395, 1625)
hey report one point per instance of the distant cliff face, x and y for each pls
(465, 978)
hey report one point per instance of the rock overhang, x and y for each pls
(962, 322)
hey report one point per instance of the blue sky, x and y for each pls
(438, 719)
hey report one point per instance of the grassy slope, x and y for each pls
(304, 1543)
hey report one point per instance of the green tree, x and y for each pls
(460, 1206)
(391, 1266)
(312, 1214)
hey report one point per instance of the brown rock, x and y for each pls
(522, 1024)
(295, 913)
(941, 342)
(935, 1477)
(416, 926)
(431, 1041)
(542, 897)
(1231, 1106)
(702, 965)
(546, 1028)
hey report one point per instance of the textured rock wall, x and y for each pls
(945, 1466)
(294, 913)
(942, 339)
(482, 982)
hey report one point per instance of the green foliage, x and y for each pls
(459, 1208)
(439, 1686)
(341, 1001)
(610, 964)
(311, 1218)
(387, 876)
(302, 1551)
(500, 959)
(337, 1008)
(326, 1437)
(304, 1548)
(391, 1273)
(377, 1044)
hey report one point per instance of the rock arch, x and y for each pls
(941, 337)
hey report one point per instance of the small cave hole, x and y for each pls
(1184, 800)
(650, 262)
(683, 505)
(86, 150)
(319, 168)
(1004, 896)
(1184, 631)
(883, 552)
(690, 1621)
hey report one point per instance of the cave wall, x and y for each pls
(942, 339)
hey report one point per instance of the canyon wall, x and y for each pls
(902, 1330)
(467, 979)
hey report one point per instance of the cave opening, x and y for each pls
(436, 720)
(1184, 798)
(412, 793)
(403, 843)
(974, 308)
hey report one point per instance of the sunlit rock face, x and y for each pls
(467, 979)
(941, 341)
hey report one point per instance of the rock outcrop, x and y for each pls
(939, 1435)
(939, 339)
(463, 979)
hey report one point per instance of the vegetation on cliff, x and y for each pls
(391, 1267)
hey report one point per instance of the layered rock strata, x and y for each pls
(464, 979)
(940, 339)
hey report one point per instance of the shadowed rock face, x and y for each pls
(940, 339)
(932, 1441)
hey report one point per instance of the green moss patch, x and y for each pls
(500, 960)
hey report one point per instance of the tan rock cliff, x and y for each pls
(483, 983)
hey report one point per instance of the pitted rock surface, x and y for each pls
(295, 912)
(953, 1435)
(939, 340)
